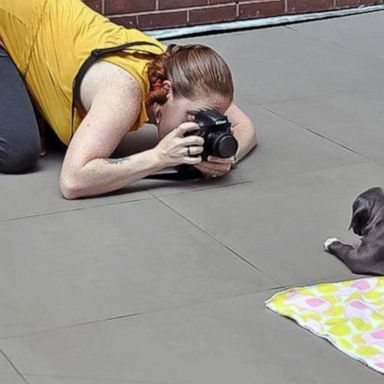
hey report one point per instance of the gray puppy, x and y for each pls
(367, 222)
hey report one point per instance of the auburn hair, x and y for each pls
(193, 70)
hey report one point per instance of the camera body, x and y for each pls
(215, 129)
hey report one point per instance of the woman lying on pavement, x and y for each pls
(50, 62)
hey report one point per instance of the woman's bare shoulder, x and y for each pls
(106, 78)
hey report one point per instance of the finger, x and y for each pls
(192, 160)
(192, 140)
(221, 160)
(193, 150)
(203, 170)
(217, 166)
(212, 167)
(209, 172)
(186, 127)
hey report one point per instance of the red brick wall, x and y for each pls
(156, 14)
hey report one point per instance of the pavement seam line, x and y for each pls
(151, 311)
(103, 379)
(338, 45)
(260, 104)
(155, 197)
(267, 179)
(317, 134)
(73, 210)
(216, 240)
(13, 366)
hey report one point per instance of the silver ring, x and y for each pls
(189, 152)
(214, 174)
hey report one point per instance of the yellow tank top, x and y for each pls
(49, 40)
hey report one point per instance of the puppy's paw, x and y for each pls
(328, 242)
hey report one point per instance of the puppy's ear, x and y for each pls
(361, 213)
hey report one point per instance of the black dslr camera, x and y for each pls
(214, 128)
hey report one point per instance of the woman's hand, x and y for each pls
(215, 166)
(175, 149)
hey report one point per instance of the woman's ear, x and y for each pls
(167, 85)
(361, 213)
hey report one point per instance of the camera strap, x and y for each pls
(95, 55)
(183, 172)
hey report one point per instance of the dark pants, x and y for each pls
(19, 132)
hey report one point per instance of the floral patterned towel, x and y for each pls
(349, 314)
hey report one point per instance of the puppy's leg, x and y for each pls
(361, 260)
(338, 249)
(328, 242)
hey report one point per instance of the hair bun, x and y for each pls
(193, 69)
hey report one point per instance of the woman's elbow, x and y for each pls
(249, 131)
(68, 192)
(253, 137)
(69, 188)
(255, 140)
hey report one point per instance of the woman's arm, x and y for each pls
(87, 169)
(113, 101)
(243, 130)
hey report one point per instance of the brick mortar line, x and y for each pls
(160, 12)
(207, 7)
(174, 10)
(260, 2)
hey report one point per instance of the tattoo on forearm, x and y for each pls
(117, 161)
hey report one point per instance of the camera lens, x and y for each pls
(224, 146)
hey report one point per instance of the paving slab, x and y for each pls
(356, 34)
(234, 340)
(272, 64)
(40, 379)
(37, 192)
(11, 379)
(90, 265)
(354, 119)
(280, 225)
(380, 161)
